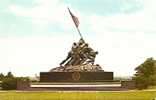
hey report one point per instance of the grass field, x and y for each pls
(131, 95)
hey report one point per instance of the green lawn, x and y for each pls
(133, 95)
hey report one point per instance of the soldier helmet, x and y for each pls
(74, 43)
(81, 41)
(86, 44)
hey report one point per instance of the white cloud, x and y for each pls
(141, 21)
(46, 11)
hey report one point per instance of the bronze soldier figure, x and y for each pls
(80, 54)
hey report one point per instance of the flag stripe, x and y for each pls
(75, 19)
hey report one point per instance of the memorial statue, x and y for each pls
(79, 64)
(81, 57)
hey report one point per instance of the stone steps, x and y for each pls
(84, 86)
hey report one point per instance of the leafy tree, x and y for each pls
(9, 75)
(145, 74)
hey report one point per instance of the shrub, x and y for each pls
(9, 84)
(1, 76)
(141, 82)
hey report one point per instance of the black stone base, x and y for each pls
(76, 76)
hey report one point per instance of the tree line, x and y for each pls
(9, 81)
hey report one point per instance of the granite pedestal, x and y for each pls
(76, 76)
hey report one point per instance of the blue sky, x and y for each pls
(17, 18)
(36, 35)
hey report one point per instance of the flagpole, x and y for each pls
(75, 25)
(79, 32)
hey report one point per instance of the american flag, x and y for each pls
(75, 19)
